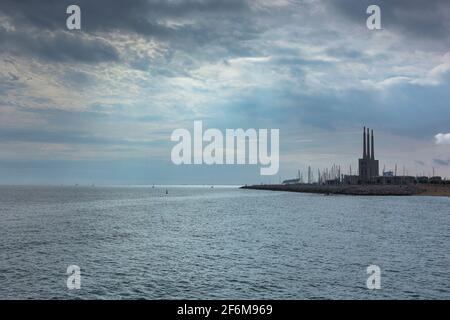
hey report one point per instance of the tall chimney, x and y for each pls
(372, 153)
(368, 143)
(364, 144)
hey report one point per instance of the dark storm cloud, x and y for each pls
(59, 47)
(308, 71)
(140, 16)
(41, 27)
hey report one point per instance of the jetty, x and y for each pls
(359, 190)
(367, 181)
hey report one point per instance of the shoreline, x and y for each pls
(360, 190)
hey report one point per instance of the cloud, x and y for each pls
(57, 46)
(138, 69)
(420, 21)
(152, 18)
(442, 138)
(420, 162)
(442, 162)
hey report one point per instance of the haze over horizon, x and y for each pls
(98, 105)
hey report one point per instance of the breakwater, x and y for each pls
(363, 190)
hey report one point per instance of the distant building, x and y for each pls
(351, 179)
(422, 179)
(368, 166)
(435, 180)
(394, 180)
(368, 171)
(291, 181)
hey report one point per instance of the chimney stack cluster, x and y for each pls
(368, 166)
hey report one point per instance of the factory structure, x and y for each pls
(368, 166)
(368, 171)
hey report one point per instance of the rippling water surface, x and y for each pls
(138, 242)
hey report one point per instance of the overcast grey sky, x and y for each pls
(98, 105)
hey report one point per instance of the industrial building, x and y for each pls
(368, 171)
(368, 168)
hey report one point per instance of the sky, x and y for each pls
(98, 105)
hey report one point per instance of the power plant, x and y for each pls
(368, 166)
(368, 171)
(367, 181)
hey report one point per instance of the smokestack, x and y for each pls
(364, 144)
(372, 153)
(368, 143)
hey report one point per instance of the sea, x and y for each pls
(221, 242)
